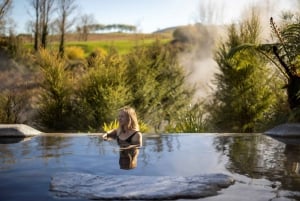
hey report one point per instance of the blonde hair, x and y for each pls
(132, 118)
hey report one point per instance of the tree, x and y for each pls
(284, 54)
(13, 103)
(65, 10)
(102, 91)
(36, 5)
(5, 6)
(46, 8)
(42, 11)
(54, 107)
(84, 27)
(243, 97)
(210, 12)
(157, 83)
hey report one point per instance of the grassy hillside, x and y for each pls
(122, 42)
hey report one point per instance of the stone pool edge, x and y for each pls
(18, 130)
(287, 130)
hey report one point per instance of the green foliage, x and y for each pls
(12, 104)
(115, 124)
(102, 90)
(244, 97)
(99, 52)
(157, 83)
(95, 55)
(144, 128)
(191, 120)
(73, 52)
(112, 125)
(54, 108)
(123, 46)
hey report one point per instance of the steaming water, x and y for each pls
(264, 168)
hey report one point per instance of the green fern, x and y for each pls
(115, 124)
(112, 125)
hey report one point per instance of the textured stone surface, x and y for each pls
(129, 187)
(285, 130)
(17, 130)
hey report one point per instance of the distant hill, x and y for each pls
(216, 29)
(166, 30)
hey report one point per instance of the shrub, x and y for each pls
(157, 81)
(103, 90)
(191, 120)
(54, 109)
(74, 53)
(12, 106)
(97, 54)
(110, 126)
(115, 124)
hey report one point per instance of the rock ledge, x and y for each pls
(285, 130)
(130, 187)
(17, 130)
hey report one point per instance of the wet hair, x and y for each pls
(132, 118)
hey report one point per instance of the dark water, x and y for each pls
(264, 168)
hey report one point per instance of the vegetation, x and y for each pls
(243, 99)
(157, 84)
(70, 85)
(115, 124)
(54, 104)
(284, 54)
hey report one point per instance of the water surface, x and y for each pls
(264, 168)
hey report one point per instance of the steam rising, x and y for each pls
(200, 61)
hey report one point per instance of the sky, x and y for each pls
(149, 15)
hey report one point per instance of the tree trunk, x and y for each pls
(293, 91)
(62, 45)
(44, 36)
(36, 33)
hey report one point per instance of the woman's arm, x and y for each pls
(110, 134)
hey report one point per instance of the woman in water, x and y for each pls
(128, 137)
(127, 134)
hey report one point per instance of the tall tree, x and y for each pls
(46, 8)
(42, 12)
(85, 26)
(65, 10)
(103, 90)
(36, 5)
(284, 54)
(5, 6)
(243, 97)
(54, 103)
(157, 83)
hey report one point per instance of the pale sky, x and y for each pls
(151, 15)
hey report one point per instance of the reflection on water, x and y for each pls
(269, 163)
(261, 157)
(11, 140)
(128, 158)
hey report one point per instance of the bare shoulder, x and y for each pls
(138, 134)
(137, 138)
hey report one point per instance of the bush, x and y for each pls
(115, 124)
(103, 90)
(97, 54)
(74, 53)
(12, 106)
(54, 109)
(192, 120)
(157, 81)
